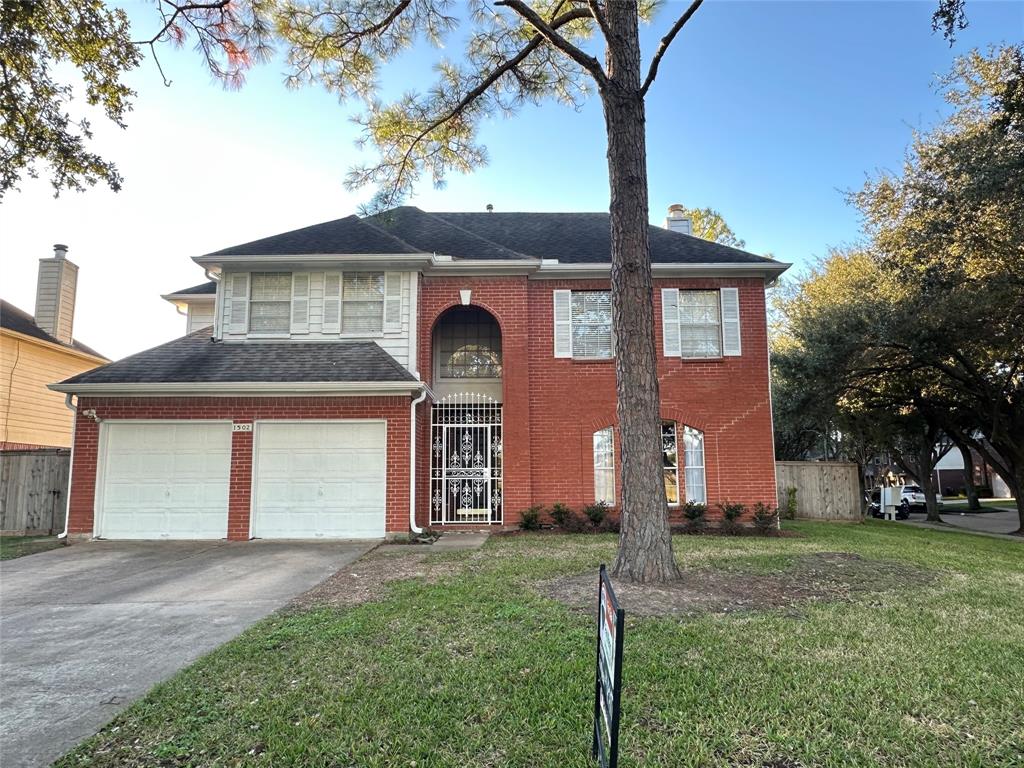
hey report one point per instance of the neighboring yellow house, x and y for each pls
(37, 351)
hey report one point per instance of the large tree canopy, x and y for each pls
(928, 318)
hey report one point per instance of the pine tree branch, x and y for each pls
(585, 60)
(184, 8)
(666, 41)
(479, 90)
(598, 14)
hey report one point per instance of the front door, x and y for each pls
(465, 460)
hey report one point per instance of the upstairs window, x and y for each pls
(362, 302)
(583, 324)
(468, 345)
(700, 324)
(270, 301)
(604, 465)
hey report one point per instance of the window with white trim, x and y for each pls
(670, 461)
(693, 461)
(270, 302)
(700, 324)
(583, 324)
(604, 465)
(362, 302)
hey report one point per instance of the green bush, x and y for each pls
(609, 525)
(575, 523)
(560, 513)
(790, 503)
(596, 512)
(529, 519)
(694, 513)
(766, 519)
(731, 513)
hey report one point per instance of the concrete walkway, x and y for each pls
(451, 542)
(86, 629)
(990, 523)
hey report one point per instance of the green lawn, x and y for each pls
(19, 546)
(472, 667)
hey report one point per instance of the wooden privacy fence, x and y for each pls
(825, 490)
(33, 488)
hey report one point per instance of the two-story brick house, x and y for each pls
(370, 376)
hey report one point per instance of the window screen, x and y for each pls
(591, 324)
(270, 302)
(604, 465)
(700, 324)
(693, 459)
(362, 304)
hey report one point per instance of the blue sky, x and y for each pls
(766, 111)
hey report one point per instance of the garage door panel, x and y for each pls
(320, 480)
(165, 480)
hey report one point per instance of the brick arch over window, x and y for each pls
(443, 308)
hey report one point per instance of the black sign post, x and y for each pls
(608, 680)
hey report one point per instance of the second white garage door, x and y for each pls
(320, 480)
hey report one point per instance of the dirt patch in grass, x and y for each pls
(366, 579)
(832, 576)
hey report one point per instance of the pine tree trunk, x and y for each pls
(645, 542)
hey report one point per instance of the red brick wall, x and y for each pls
(553, 406)
(395, 409)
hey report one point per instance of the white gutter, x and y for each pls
(196, 388)
(315, 258)
(412, 460)
(71, 466)
(552, 270)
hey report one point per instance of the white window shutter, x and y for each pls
(731, 322)
(563, 323)
(238, 303)
(300, 302)
(392, 301)
(332, 302)
(670, 321)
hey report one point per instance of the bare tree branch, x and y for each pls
(598, 14)
(666, 41)
(184, 8)
(585, 60)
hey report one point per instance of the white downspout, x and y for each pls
(71, 466)
(412, 460)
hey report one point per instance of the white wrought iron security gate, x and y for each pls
(465, 460)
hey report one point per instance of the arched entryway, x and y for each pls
(466, 419)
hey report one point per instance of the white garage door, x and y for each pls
(320, 479)
(164, 480)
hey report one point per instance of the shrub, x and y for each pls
(609, 525)
(596, 512)
(766, 519)
(790, 503)
(731, 512)
(694, 513)
(560, 513)
(575, 523)
(529, 519)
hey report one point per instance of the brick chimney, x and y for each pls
(55, 295)
(678, 221)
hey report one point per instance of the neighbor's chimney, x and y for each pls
(677, 220)
(55, 295)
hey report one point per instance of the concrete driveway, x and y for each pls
(86, 629)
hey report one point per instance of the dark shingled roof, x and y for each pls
(348, 235)
(203, 289)
(196, 359)
(572, 238)
(20, 321)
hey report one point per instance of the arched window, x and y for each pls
(693, 463)
(468, 345)
(604, 465)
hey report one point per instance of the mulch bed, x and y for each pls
(832, 576)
